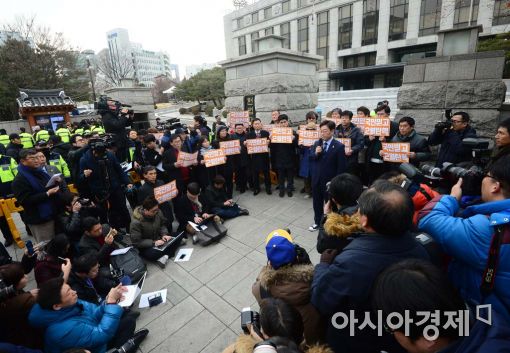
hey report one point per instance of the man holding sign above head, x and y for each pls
(348, 130)
(283, 147)
(259, 161)
(328, 160)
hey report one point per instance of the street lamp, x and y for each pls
(89, 68)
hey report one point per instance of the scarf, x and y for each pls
(38, 178)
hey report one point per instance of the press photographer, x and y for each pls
(476, 238)
(449, 134)
(102, 174)
(116, 117)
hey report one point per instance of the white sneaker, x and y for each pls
(313, 227)
(162, 261)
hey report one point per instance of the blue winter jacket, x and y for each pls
(84, 325)
(467, 239)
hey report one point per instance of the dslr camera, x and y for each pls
(249, 316)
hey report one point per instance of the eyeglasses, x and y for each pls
(457, 121)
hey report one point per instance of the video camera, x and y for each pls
(171, 124)
(249, 316)
(446, 124)
(106, 104)
(101, 144)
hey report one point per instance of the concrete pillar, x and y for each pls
(248, 43)
(293, 4)
(485, 15)
(312, 33)
(383, 32)
(357, 23)
(333, 38)
(447, 14)
(413, 19)
(293, 35)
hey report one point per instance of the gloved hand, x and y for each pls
(328, 256)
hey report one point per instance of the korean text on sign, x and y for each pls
(187, 159)
(235, 118)
(166, 192)
(307, 137)
(359, 122)
(377, 127)
(231, 147)
(281, 135)
(396, 152)
(346, 142)
(214, 157)
(257, 146)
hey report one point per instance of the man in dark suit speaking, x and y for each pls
(327, 160)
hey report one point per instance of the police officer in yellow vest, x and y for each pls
(64, 133)
(26, 139)
(97, 127)
(82, 130)
(41, 134)
(54, 159)
(4, 138)
(8, 170)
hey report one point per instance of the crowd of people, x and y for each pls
(389, 247)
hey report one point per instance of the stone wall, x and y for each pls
(468, 82)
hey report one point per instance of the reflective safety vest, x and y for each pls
(132, 151)
(99, 129)
(64, 134)
(81, 131)
(57, 161)
(8, 169)
(4, 140)
(42, 135)
(26, 139)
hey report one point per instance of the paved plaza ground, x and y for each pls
(206, 294)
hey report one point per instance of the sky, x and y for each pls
(190, 31)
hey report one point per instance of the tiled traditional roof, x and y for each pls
(31, 98)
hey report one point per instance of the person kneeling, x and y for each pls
(150, 234)
(217, 201)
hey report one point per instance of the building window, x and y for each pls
(268, 13)
(463, 11)
(268, 31)
(370, 21)
(398, 19)
(285, 32)
(301, 3)
(255, 17)
(286, 6)
(501, 13)
(345, 27)
(241, 42)
(254, 43)
(323, 38)
(303, 34)
(430, 17)
(368, 59)
(239, 22)
(393, 79)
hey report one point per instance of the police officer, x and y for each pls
(4, 138)
(64, 133)
(54, 159)
(82, 129)
(41, 134)
(26, 139)
(8, 170)
(97, 128)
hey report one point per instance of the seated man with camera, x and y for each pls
(102, 174)
(478, 239)
(449, 134)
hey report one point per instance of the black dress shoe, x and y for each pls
(282, 193)
(132, 344)
(289, 193)
(269, 192)
(256, 192)
(244, 212)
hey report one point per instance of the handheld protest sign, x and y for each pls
(187, 159)
(166, 192)
(257, 146)
(231, 147)
(396, 152)
(346, 142)
(281, 135)
(213, 158)
(307, 137)
(377, 127)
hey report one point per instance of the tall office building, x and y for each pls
(364, 43)
(146, 64)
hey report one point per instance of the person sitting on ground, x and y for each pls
(288, 276)
(412, 287)
(54, 261)
(340, 221)
(70, 322)
(14, 326)
(216, 201)
(148, 231)
(151, 181)
(189, 208)
(85, 270)
(99, 239)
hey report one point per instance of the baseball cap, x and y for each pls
(13, 136)
(280, 248)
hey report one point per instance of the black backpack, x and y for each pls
(130, 263)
